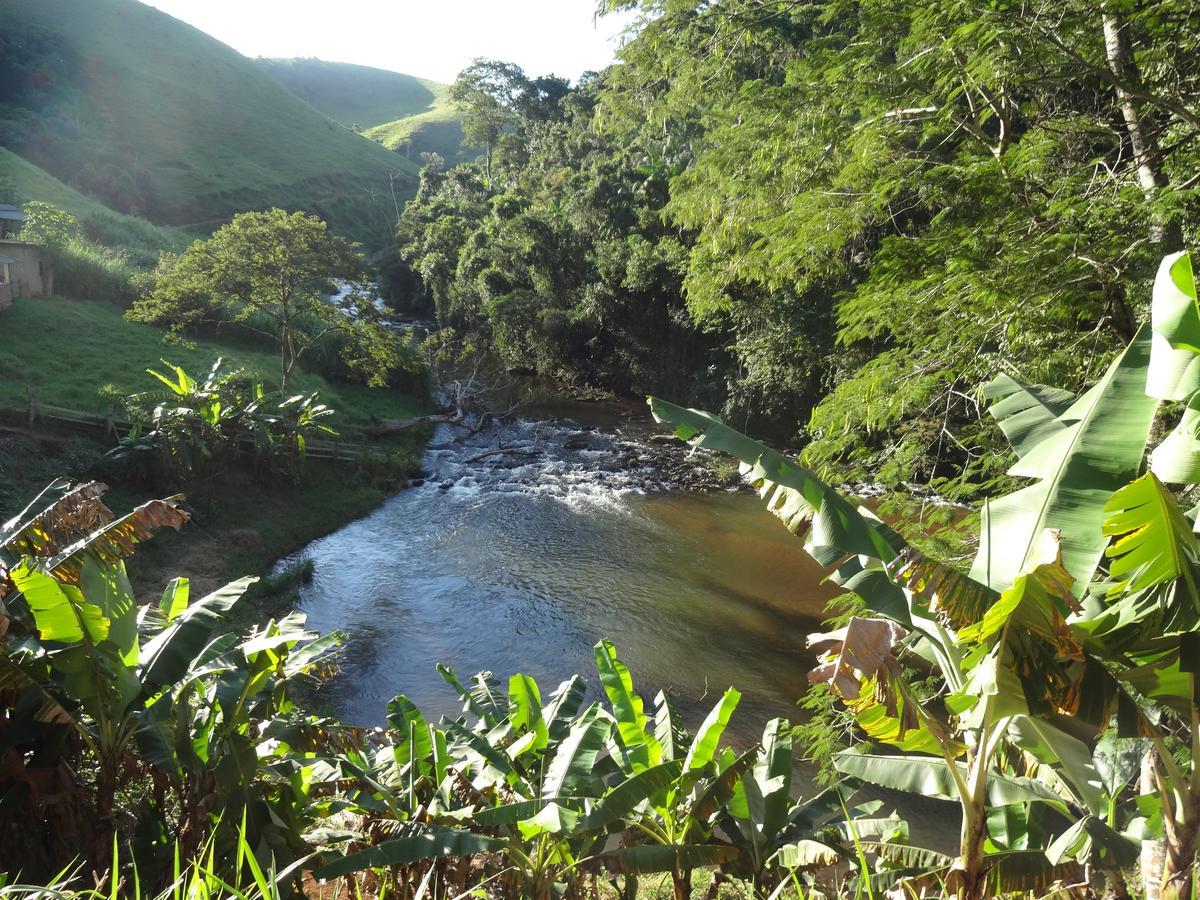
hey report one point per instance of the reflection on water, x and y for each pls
(524, 564)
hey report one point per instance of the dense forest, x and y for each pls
(829, 221)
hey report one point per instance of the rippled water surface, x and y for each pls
(525, 561)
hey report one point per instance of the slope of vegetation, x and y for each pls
(159, 120)
(355, 95)
(438, 130)
(107, 349)
(22, 182)
(1027, 696)
(406, 114)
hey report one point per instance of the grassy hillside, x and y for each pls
(157, 119)
(407, 114)
(351, 94)
(104, 226)
(437, 130)
(105, 349)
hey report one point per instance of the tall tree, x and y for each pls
(270, 273)
(487, 92)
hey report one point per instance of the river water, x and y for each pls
(526, 560)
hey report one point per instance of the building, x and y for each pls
(29, 272)
(6, 287)
(11, 220)
(25, 271)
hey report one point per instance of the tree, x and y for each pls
(49, 225)
(488, 91)
(270, 272)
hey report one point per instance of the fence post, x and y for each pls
(35, 412)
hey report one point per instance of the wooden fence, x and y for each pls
(37, 413)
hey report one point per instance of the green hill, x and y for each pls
(407, 114)
(437, 130)
(159, 120)
(21, 181)
(354, 95)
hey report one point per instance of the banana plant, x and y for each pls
(777, 837)
(150, 684)
(674, 786)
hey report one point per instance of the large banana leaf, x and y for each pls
(60, 611)
(638, 743)
(708, 736)
(576, 755)
(411, 849)
(525, 713)
(1091, 840)
(116, 540)
(1027, 414)
(56, 517)
(717, 791)
(1078, 466)
(565, 702)
(1071, 757)
(411, 731)
(1175, 318)
(167, 657)
(794, 494)
(838, 534)
(930, 777)
(805, 854)
(622, 799)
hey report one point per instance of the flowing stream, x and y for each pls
(522, 561)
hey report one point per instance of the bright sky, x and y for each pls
(428, 38)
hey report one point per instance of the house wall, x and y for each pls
(31, 274)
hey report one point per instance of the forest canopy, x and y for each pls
(832, 221)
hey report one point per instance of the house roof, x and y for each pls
(11, 212)
(7, 259)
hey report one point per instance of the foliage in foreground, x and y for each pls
(1065, 656)
(199, 428)
(152, 728)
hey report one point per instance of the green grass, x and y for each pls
(142, 240)
(437, 130)
(68, 349)
(160, 120)
(351, 94)
(406, 114)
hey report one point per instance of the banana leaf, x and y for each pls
(414, 848)
(621, 800)
(1077, 467)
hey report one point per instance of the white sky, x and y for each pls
(428, 38)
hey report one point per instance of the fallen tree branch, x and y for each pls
(387, 425)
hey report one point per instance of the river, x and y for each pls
(523, 561)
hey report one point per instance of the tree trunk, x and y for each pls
(1153, 852)
(682, 883)
(1118, 50)
(1181, 854)
(970, 861)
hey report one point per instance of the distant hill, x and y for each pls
(404, 113)
(157, 119)
(355, 95)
